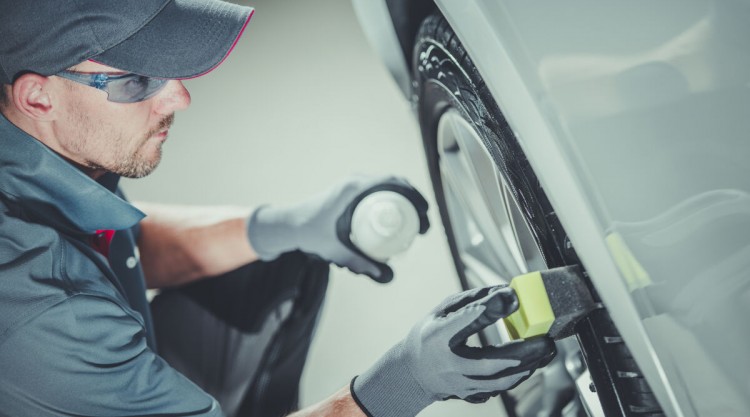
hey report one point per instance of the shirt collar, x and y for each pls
(55, 192)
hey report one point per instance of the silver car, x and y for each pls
(614, 136)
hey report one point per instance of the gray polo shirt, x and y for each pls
(75, 329)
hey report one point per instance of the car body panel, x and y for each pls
(384, 39)
(635, 118)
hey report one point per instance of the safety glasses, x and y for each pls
(125, 88)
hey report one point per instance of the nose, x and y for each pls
(172, 98)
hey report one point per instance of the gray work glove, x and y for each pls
(321, 226)
(433, 362)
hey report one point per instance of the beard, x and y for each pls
(137, 164)
(116, 153)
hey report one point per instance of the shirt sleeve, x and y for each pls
(87, 356)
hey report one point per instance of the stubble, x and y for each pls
(137, 164)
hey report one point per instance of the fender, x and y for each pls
(390, 26)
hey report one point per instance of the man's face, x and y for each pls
(124, 138)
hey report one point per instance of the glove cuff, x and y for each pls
(268, 234)
(388, 388)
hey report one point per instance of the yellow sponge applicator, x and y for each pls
(550, 302)
(534, 315)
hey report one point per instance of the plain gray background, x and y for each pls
(302, 102)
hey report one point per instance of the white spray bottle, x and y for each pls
(384, 224)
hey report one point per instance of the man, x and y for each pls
(89, 91)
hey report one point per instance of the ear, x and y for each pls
(31, 96)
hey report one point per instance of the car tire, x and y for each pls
(490, 200)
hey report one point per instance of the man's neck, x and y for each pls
(37, 133)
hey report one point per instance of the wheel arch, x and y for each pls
(391, 26)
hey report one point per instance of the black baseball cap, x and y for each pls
(174, 39)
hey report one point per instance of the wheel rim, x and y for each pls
(493, 242)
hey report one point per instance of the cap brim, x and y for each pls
(187, 39)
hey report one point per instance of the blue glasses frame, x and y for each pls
(123, 88)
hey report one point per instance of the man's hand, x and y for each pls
(434, 363)
(312, 225)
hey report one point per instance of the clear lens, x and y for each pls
(133, 88)
(128, 88)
